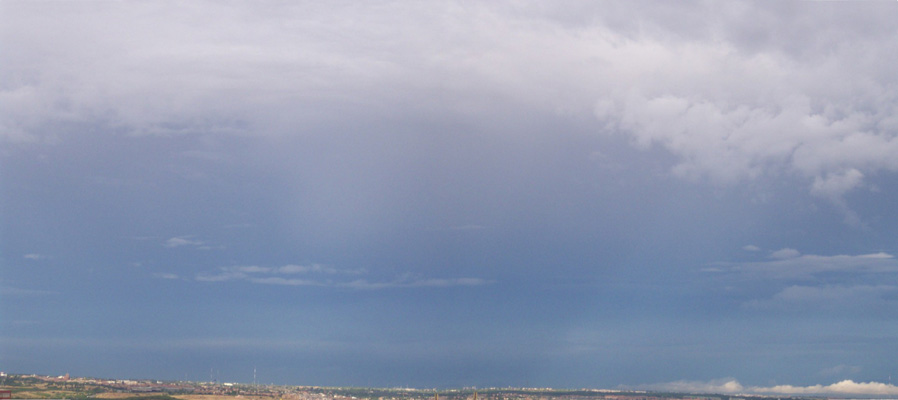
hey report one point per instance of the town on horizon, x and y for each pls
(36, 386)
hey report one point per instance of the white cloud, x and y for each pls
(249, 269)
(792, 282)
(836, 184)
(847, 387)
(751, 247)
(880, 256)
(316, 268)
(787, 264)
(242, 270)
(454, 282)
(730, 106)
(827, 297)
(732, 386)
(182, 241)
(221, 277)
(276, 280)
(785, 253)
(402, 283)
(818, 295)
(335, 277)
(726, 385)
(35, 256)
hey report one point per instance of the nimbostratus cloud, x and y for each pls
(806, 91)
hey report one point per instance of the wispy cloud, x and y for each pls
(188, 241)
(791, 264)
(840, 370)
(277, 280)
(843, 387)
(725, 385)
(36, 256)
(224, 275)
(732, 386)
(182, 241)
(363, 284)
(19, 292)
(790, 281)
(255, 273)
(827, 297)
(785, 253)
(326, 276)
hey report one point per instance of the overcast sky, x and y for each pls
(696, 196)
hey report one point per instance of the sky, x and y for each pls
(639, 194)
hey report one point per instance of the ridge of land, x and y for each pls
(65, 387)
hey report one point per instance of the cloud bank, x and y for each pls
(790, 264)
(790, 281)
(312, 275)
(732, 386)
(735, 91)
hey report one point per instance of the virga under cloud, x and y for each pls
(729, 111)
(567, 194)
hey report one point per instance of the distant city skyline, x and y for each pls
(572, 194)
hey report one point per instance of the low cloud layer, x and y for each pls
(324, 276)
(732, 386)
(791, 264)
(788, 281)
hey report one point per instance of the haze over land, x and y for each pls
(33, 386)
(452, 194)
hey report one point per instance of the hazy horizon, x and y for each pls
(451, 194)
(864, 390)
